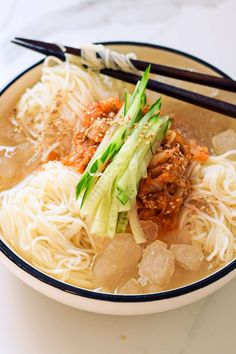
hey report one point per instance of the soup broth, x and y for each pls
(164, 221)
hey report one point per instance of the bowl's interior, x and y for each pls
(203, 122)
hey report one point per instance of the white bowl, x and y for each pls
(126, 304)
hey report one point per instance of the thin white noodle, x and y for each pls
(49, 113)
(99, 57)
(64, 91)
(214, 187)
(40, 219)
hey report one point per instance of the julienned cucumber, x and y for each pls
(108, 187)
(132, 107)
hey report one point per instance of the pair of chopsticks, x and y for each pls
(164, 70)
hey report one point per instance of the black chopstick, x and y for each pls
(178, 93)
(169, 90)
(164, 70)
(47, 50)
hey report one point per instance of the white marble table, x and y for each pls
(31, 323)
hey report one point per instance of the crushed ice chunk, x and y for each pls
(224, 141)
(117, 263)
(150, 230)
(187, 257)
(157, 264)
(130, 287)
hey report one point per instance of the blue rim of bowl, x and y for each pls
(91, 294)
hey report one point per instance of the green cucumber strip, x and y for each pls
(127, 102)
(122, 222)
(140, 113)
(123, 197)
(124, 208)
(100, 222)
(113, 215)
(135, 225)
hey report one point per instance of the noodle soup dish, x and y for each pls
(109, 188)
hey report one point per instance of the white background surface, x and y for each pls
(31, 323)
